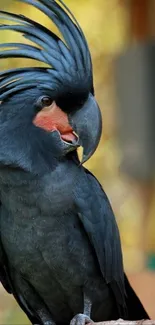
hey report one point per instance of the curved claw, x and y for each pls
(81, 319)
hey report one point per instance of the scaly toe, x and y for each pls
(80, 319)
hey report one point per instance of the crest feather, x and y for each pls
(66, 60)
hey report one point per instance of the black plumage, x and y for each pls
(60, 252)
(70, 62)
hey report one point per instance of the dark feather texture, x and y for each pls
(65, 59)
(60, 251)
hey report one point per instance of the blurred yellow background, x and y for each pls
(106, 25)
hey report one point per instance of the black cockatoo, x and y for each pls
(60, 252)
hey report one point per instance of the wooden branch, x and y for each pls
(126, 322)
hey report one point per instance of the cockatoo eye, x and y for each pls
(44, 101)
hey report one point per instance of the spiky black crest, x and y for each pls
(70, 67)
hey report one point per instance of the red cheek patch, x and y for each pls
(53, 118)
(43, 121)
